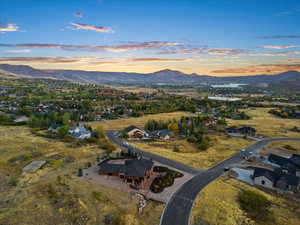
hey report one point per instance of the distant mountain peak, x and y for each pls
(169, 71)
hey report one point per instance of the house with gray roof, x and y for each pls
(80, 132)
(276, 179)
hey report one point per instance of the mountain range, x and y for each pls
(170, 77)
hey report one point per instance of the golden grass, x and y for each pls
(139, 121)
(279, 103)
(218, 205)
(222, 148)
(283, 145)
(32, 202)
(267, 124)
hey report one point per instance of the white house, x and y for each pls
(80, 132)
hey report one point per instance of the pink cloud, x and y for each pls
(82, 26)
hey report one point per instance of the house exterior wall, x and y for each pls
(263, 181)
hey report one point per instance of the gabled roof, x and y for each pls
(289, 179)
(132, 127)
(259, 172)
(294, 161)
(278, 159)
(131, 167)
(137, 167)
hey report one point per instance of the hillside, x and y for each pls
(160, 77)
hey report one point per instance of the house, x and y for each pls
(54, 128)
(246, 130)
(163, 134)
(135, 132)
(290, 163)
(276, 180)
(80, 132)
(21, 119)
(134, 172)
(210, 122)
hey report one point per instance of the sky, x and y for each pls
(214, 37)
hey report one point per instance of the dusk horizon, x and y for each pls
(205, 37)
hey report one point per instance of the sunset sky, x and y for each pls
(216, 37)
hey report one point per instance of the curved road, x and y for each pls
(163, 160)
(179, 207)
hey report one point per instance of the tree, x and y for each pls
(63, 131)
(80, 172)
(66, 118)
(173, 127)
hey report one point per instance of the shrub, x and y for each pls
(80, 172)
(254, 204)
(113, 218)
(192, 139)
(176, 149)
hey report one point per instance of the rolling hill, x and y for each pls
(160, 77)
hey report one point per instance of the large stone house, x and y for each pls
(134, 172)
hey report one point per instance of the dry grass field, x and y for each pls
(139, 121)
(222, 148)
(54, 194)
(285, 145)
(218, 205)
(267, 124)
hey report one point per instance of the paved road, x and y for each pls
(179, 207)
(160, 159)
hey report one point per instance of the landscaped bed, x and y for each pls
(164, 181)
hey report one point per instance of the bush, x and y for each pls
(113, 218)
(80, 172)
(254, 204)
(192, 139)
(176, 149)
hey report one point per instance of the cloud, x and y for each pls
(18, 51)
(260, 68)
(9, 28)
(155, 60)
(103, 63)
(81, 26)
(279, 46)
(284, 53)
(203, 50)
(40, 59)
(78, 15)
(280, 37)
(111, 48)
(224, 51)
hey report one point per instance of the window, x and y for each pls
(263, 182)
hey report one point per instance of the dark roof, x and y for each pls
(137, 167)
(231, 130)
(246, 129)
(289, 179)
(276, 176)
(278, 159)
(258, 172)
(130, 128)
(132, 167)
(111, 168)
(295, 159)
(285, 162)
